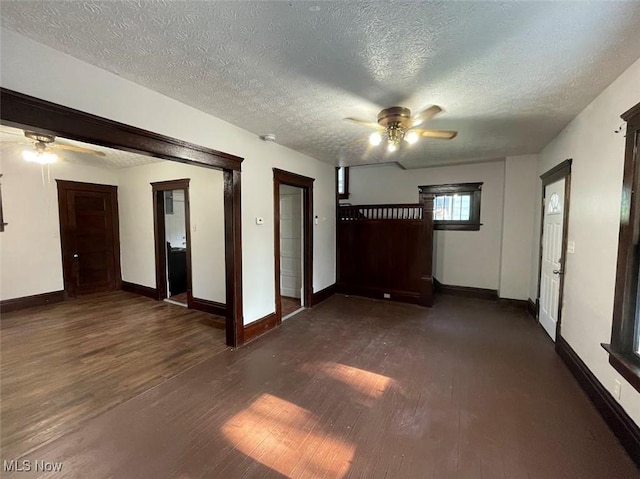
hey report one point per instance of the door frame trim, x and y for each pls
(281, 177)
(24, 111)
(63, 187)
(160, 235)
(557, 173)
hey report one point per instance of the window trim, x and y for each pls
(473, 224)
(345, 195)
(622, 355)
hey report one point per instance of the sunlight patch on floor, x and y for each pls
(286, 437)
(370, 384)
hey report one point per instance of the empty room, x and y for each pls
(320, 239)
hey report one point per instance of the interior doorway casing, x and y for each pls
(27, 112)
(281, 177)
(160, 238)
(557, 173)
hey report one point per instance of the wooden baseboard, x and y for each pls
(259, 327)
(618, 420)
(513, 303)
(376, 293)
(466, 291)
(139, 289)
(207, 306)
(323, 294)
(16, 304)
(531, 309)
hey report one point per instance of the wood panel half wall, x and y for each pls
(16, 304)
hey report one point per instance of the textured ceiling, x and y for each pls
(13, 140)
(509, 75)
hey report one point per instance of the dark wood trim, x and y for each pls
(259, 327)
(23, 111)
(625, 304)
(281, 177)
(160, 235)
(323, 294)
(140, 289)
(208, 306)
(2, 223)
(626, 364)
(617, 419)
(233, 257)
(42, 299)
(345, 195)
(558, 172)
(378, 293)
(532, 309)
(475, 189)
(64, 186)
(466, 291)
(514, 303)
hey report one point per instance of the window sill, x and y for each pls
(628, 365)
(456, 226)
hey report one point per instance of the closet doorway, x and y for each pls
(172, 241)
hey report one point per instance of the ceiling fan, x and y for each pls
(396, 125)
(44, 145)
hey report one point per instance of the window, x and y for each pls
(342, 182)
(455, 206)
(624, 350)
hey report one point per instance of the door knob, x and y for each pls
(558, 271)
(75, 255)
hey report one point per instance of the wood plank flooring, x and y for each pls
(289, 305)
(66, 363)
(358, 388)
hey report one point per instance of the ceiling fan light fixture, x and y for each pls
(391, 147)
(375, 139)
(40, 157)
(411, 137)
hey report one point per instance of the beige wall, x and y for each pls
(518, 224)
(594, 219)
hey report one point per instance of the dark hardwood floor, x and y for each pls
(65, 363)
(362, 389)
(289, 305)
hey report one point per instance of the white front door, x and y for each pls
(290, 241)
(552, 256)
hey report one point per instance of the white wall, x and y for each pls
(34, 69)
(206, 201)
(30, 252)
(461, 258)
(520, 183)
(594, 219)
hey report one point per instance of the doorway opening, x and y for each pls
(556, 186)
(293, 214)
(171, 219)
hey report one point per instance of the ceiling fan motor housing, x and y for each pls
(396, 116)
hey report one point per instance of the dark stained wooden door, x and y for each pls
(89, 236)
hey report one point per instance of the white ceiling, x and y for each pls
(12, 140)
(509, 75)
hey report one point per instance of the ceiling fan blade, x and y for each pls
(78, 149)
(425, 115)
(439, 134)
(365, 123)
